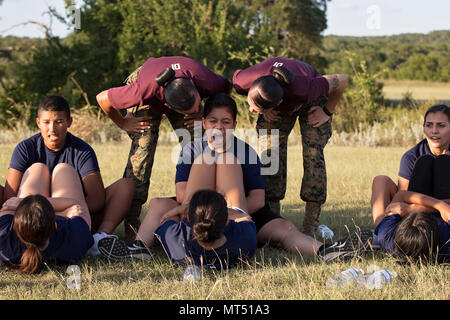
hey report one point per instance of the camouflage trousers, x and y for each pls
(141, 158)
(314, 181)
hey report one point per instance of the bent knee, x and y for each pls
(63, 166)
(127, 184)
(161, 202)
(277, 232)
(382, 180)
(39, 166)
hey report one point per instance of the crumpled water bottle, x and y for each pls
(344, 278)
(377, 279)
(192, 273)
(324, 232)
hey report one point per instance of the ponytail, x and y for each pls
(31, 260)
(34, 221)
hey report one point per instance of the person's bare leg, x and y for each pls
(284, 234)
(156, 209)
(383, 190)
(35, 180)
(202, 176)
(117, 202)
(66, 183)
(229, 181)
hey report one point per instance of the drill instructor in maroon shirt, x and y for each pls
(283, 90)
(174, 86)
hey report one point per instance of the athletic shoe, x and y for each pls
(93, 250)
(117, 250)
(139, 250)
(356, 243)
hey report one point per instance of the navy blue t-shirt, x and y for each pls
(179, 243)
(247, 156)
(75, 152)
(69, 242)
(386, 229)
(410, 157)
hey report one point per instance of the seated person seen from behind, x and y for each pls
(54, 145)
(47, 222)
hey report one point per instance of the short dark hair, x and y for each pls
(272, 87)
(54, 103)
(437, 108)
(417, 238)
(208, 215)
(179, 93)
(220, 100)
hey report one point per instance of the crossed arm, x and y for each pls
(255, 201)
(406, 202)
(92, 184)
(65, 207)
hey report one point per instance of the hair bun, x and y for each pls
(202, 229)
(165, 77)
(283, 76)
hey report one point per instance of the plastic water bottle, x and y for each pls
(377, 279)
(344, 278)
(324, 232)
(192, 273)
(372, 268)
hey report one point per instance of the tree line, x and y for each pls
(404, 56)
(116, 37)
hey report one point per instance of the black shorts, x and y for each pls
(263, 216)
(260, 217)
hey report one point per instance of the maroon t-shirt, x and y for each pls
(145, 90)
(307, 86)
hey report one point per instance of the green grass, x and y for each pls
(272, 273)
(422, 90)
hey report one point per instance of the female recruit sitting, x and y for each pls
(48, 221)
(436, 128)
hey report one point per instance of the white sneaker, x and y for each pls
(93, 251)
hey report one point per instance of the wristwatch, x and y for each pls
(327, 112)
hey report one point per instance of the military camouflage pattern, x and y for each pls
(140, 162)
(141, 158)
(314, 182)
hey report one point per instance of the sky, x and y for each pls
(345, 17)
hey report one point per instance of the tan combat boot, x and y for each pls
(311, 219)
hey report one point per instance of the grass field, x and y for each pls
(421, 90)
(273, 273)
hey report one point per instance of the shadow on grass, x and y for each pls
(342, 217)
